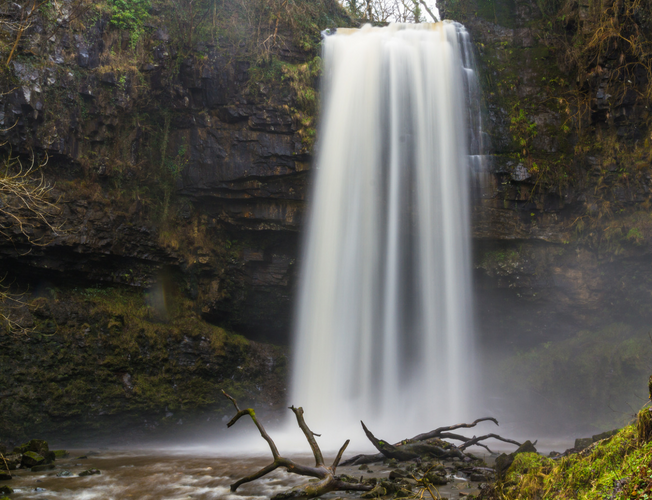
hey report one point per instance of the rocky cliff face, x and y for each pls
(184, 172)
(149, 149)
(562, 229)
(179, 172)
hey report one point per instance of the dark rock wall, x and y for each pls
(179, 173)
(149, 151)
(190, 172)
(562, 229)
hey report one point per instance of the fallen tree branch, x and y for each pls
(475, 440)
(429, 443)
(328, 481)
(436, 433)
(411, 450)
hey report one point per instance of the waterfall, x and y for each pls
(384, 329)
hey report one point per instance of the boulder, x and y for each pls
(31, 459)
(435, 479)
(398, 474)
(89, 472)
(526, 447)
(581, 443)
(5, 475)
(41, 468)
(503, 461)
(5, 490)
(36, 445)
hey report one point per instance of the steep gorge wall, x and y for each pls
(180, 172)
(182, 177)
(563, 227)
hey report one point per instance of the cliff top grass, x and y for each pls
(619, 467)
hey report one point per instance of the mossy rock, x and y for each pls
(376, 492)
(581, 443)
(31, 459)
(41, 468)
(89, 472)
(5, 490)
(60, 453)
(35, 445)
(435, 479)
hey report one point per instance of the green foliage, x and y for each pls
(130, 15)
(523, 132)
(619, 468)
(79, 372)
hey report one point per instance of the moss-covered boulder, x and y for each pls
(5, 475)
(504, 461)
(5, 490)
(36, 445)
(31, 459)
(41, 468)
(435, 479)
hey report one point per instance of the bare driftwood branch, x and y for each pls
(429, 443)
(411, 450)
(328, 481)
(475, 440)
(438, 431)
(387, 449)
(434, 17)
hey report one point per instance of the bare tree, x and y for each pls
(28, 209)
(402, 11)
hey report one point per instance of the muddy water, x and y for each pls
(150, 475)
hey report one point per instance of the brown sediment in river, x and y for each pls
(165, 475)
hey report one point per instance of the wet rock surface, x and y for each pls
(224, 223)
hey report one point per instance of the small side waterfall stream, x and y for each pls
(384, 329)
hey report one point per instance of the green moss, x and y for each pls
(113, 355)
(618, 467)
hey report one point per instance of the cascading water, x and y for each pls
(384, 322)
